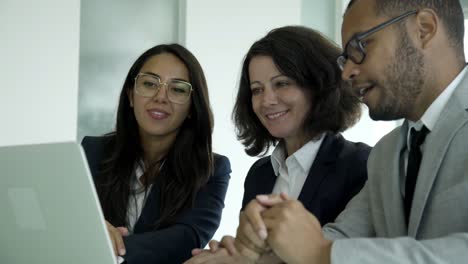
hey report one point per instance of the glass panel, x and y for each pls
(109, 44)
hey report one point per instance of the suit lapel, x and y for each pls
(260, 180)
(390, 187)
(266, 179)
(326, 156)
(150, 211)
(453, 116)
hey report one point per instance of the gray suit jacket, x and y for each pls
(438, 224)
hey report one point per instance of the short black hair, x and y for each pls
(450, 13)
(309, 58)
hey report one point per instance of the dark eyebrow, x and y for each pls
(271, 79)
(152, 74)
(277, 76)
(156, 75)
(255, 82)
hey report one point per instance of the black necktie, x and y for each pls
(414, 160)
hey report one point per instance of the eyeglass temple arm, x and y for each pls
(389, 22)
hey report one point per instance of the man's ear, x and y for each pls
(427, 23)
(130, 97)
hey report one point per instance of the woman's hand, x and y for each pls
(116, 235)
(252, 232)
(221, 256)
(224, 251)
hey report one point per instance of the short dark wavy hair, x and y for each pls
(450, 13)
(309, 58)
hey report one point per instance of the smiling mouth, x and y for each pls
(276, 115)
(158, 114)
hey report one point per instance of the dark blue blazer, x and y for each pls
(337, 174)
(193, 228)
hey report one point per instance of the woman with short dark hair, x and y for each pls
(307, 57)
(291, 96)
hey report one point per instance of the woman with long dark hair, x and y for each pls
(161, 187)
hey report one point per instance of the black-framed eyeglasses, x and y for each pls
(354, 49)
(148, 85)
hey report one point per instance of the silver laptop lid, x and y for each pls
(49, 209)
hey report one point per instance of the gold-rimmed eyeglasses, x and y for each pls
(148, 85)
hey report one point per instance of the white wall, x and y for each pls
(39, 70)
(320, 15)
(219, 33)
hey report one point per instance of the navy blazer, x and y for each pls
(337, 174)
(194, 227)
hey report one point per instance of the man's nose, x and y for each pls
(350, 70)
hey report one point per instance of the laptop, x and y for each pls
(49, 208)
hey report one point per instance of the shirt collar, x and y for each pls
(278, 157)
(432, 114)
(139, 170)
(304, 156)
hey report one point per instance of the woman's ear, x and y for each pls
(130, 98)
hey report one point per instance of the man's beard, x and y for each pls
(403, 82)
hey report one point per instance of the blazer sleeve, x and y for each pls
(354, 221)
(193, 229)
(403, 250)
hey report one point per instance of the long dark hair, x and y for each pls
(309, 58)
(188, 164)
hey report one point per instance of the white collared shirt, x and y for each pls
(137, 198)
(429, 119)
(292, 171)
